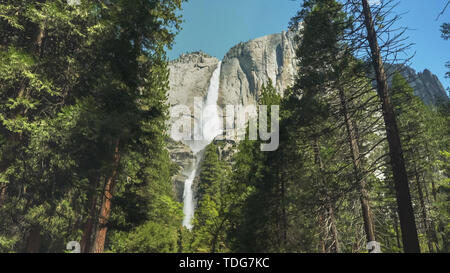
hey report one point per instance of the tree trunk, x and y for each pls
(34, 239)
(431, 223)
(354, 148)
(335, 247)
(322, 233)
(405, 209)
(329, 214)
(39, 37)
(86, 240)
(283, 212)
(424, 210)
(100, 237)
(3, 194)
(397, 233)
(214, 242)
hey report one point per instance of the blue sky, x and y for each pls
(214, 26)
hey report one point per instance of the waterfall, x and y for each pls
(211, 126)
(188, 198)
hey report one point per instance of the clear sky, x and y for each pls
(214, 26)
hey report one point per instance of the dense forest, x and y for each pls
(84, 133)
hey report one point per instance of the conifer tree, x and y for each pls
(82, 114)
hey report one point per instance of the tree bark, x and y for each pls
(322, 233)
(105, 212)
(397, 233)
(283, 212)
(425, 220)
(354, 148)
(34, 239)
(431, 223)
(86, 240)
(405, 210)
(3, 194)
(335, 246)
(329, 213)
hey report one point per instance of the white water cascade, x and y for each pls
(211, 126)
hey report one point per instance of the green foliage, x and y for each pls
(157, 235)
(423, 135)
(212, 219)
(83, 93)
(75, 80)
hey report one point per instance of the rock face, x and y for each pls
(245, 68)
(190, 75)
(426, 86)
(182, 155)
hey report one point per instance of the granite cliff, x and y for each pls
(244, 69)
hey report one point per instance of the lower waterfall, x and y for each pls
(211, 126)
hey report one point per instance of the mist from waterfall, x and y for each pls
(211, 126)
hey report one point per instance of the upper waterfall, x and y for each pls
(211, 126)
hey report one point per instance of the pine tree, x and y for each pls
(211, 218)
(83, 112)
(406, 213)
(42, 43)
(415, 120)
(328, 70)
